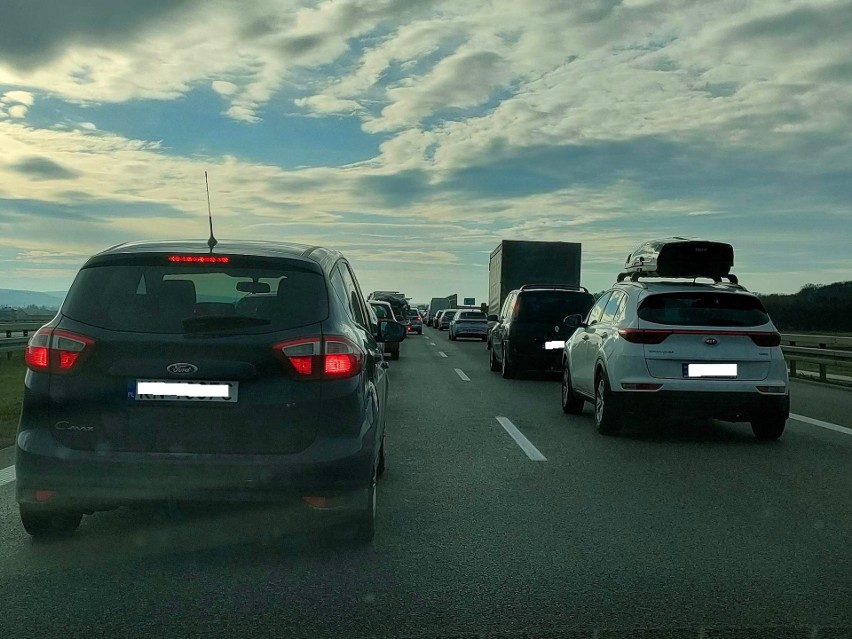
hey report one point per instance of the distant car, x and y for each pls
(677, 349)
(153, 384)
(469, 324)
(384, 311)
(446, 317)
(415, 322)
(530, 330)
(436, 322)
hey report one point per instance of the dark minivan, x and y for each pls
(530, 332)
(173, 373)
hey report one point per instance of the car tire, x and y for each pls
(507, 368)
(768, 428)
(380, 467)
(394, 354)
(47, 524)
(492, 361)
(607, 421)
(364, 523)
(450, 336)
(571, 403)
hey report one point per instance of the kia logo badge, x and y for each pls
(182, 368)
(711, 341)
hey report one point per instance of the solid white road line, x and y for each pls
(442, 353)
(526, 445)
(432, 344)
(461, 374)
(821, 424)
(7, 475)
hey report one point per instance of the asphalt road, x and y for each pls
(671, 530)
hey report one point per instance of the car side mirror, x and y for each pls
(573, 321)
(492, 318)
(390, 331)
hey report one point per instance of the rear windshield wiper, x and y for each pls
(219, 322)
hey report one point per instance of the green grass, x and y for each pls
(11, 393)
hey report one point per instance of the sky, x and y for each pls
(414, 135)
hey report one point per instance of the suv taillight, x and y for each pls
(57, 350)
(643, 336)
(770, 338)
(332, 357)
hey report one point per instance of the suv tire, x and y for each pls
(492, 361)
(571, 403)
(768, 428)
(47, 524)
(508, 370)
(364, 523)
(607, 422)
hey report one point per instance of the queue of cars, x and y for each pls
(658, 342)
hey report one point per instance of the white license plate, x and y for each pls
(196, 391)
(709, 370)
(549, 346)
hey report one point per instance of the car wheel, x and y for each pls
(607, 422)
(364, 524)
(768, 428)
(492, 361)
(450, 336)
(45, 524)
(507, 368)
(380, 467)
(571, 404)
(394, 355)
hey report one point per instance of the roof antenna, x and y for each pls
(211, 242)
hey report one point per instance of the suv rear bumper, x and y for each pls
(727, 406)
(89, 480)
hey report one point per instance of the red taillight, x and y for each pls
(332, 357)
(200, 259)
(643, 336)
(766, 339)
(57, 350)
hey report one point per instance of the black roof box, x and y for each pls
(681, 257)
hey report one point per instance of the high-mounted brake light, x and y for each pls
(332, 357)
(57, 350)
(200, 259)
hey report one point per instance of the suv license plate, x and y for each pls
(195, 391)
(710, 370)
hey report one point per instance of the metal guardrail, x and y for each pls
(815, 349)
(15, 335)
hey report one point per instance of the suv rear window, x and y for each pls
(551, 306)
(703, 309)
(185, 298)
(472, 316)
(381, 311)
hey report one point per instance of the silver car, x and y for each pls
(469, 324)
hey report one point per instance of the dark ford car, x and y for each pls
(530, 332)
(174, 373)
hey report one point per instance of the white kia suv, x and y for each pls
(677, 349)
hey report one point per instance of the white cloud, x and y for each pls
(18, 97)
(328, 104)
(224, 88)
(18, 111)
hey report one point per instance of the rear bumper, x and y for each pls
(728, 406)
(470, 332)
(333, 467)
(536, 358)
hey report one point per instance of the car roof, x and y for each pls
(381, 303)
(668, 286)
(252, 248)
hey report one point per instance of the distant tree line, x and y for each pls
(815, 308)
(26, 313)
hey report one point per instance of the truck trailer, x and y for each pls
(517, 262)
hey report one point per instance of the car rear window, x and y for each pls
(552, 306)
(703, 309)
(185, 298)
(472, 316)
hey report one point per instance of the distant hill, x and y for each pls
(821, 308)
(20, 299)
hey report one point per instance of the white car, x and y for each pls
(677, 349)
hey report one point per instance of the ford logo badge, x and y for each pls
(182, 368)
(711, 341)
